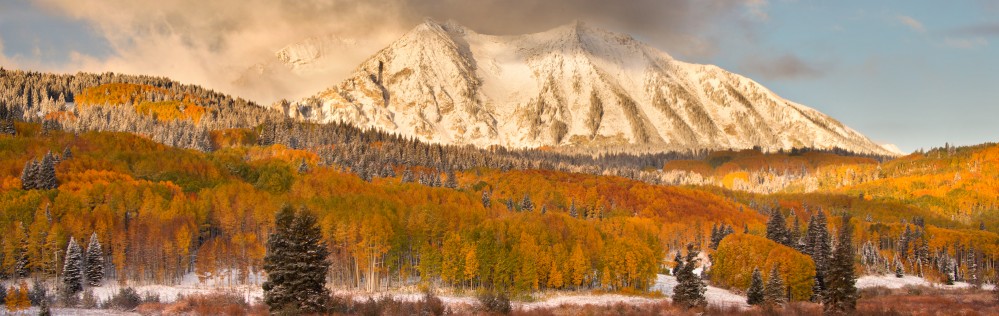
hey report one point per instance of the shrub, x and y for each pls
(89, 301)
(496, 303)
(431, 304)
(126, 299)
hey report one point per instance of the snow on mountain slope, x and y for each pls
(573, 86)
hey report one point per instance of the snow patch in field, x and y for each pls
(716, 296)
(892, 282)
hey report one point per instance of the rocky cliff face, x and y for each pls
(573, 86)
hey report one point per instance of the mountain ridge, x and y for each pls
(574, 86)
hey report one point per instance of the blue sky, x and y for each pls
(913, 73)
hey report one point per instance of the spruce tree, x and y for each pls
(296, 265)
(94, 262)
(72, 271)
(677, 263)
(67, 154)
(899, 270)
(526, 205)
(452, 180)
(777, 229)
(754, 295)
(572, 209)
(28, 175)
(840, 296)
(774, 293)
(485, 199)
(817, 244)
(46, 177)
(689, 290)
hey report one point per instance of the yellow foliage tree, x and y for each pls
(738, 254)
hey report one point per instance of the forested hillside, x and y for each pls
(176, 180)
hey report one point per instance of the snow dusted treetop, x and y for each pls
(575, 85)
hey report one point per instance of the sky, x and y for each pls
(915, 73)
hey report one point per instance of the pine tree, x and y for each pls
(485, 199)
(452, 180)
(714, 237)
(67, 154)
(296, 265)
(95, 262)
(572, 209)
(777, 229)
(689, 290)
(3, 295)
(46, 177)
(28, 175)
(677, 263)
(43, 308)
(407, 176)
(840, 296)
(303, 167)
(899, 270)
(526, 205)
(754, 295)
(72, 271)
(774, 293)
(7, 127)
(817, 244)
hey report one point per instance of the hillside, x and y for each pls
(575, 86)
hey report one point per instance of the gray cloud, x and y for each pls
(988, 30)
(213, 43)
(786, 66)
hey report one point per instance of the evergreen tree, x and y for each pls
(452, 180)
(526, 205)
(817, 244)
(754, 295)
(840, 296)
(72, 271)
(46, 177)
(572, 209)
(485, 199)
(95, 262)
(777, 229)
(28, 175)
(3, 295)
(407, 176)
(7, 124)
(43, 308)
(689, 290)
(296, 265)
(774, 292)
(677, 263)
(67, 154)
(303, 167)
(899, 270)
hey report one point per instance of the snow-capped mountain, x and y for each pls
(573, 86)
(298, 69)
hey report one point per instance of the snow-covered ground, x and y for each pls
(71, 312)
(664, 285)
(187, 286)
(716, 296)
(892, 282)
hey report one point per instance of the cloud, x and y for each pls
(912, 23)
(986, 29)
(757, 8)
(214, 43)
(966, 43)
(786, 66)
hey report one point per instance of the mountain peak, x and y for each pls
(574, 86)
